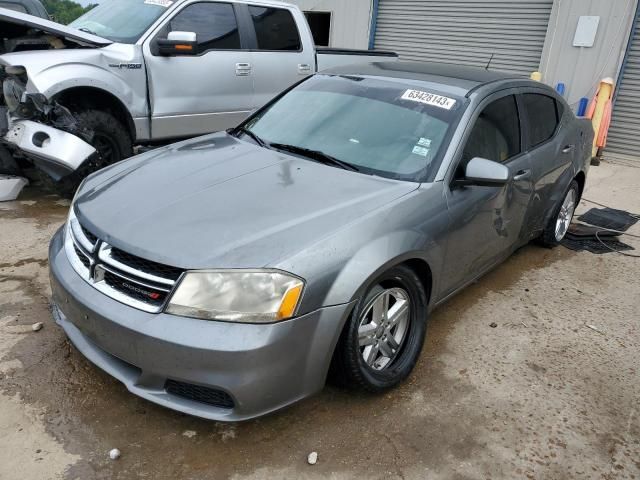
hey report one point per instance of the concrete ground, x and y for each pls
(542, 395)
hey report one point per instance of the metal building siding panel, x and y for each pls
(466, 32)
(624, 132)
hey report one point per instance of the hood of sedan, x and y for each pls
(219, 202)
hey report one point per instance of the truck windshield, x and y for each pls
(388, 128)
(122, 21)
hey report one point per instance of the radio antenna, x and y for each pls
(489, 62)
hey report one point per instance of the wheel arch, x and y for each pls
(581, 178)
(94, 97)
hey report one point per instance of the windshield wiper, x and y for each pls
(316, 155)
(86, 30)
(252, 135)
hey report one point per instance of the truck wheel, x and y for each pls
(383, 337)
(8, 165)
(111, 138)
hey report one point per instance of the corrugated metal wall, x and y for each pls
(466, 32)
(624, 133)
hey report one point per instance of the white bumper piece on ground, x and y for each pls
(63, 151)
(10, 187)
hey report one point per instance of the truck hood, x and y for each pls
(16, 24)
(219, 202)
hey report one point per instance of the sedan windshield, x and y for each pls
(381, 127)
(122, 21)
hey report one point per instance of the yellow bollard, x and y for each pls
(537, 76)
(600, 112)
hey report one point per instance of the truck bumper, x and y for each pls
(56, 152)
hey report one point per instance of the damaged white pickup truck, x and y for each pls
(78, 97)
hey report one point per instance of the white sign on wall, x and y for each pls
(586, 31)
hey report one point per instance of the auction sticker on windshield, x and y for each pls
(162, 3)
(429, 99)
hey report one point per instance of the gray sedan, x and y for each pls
(227, 276)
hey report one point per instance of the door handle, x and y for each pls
(243, 69)
(304, 68)
(568, 148)
(522, 175)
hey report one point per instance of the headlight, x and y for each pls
(258, 296)
(13, 90)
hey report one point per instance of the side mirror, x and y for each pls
(485, 173)
(177, 43)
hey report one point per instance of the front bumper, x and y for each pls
(56, 152)
(262, 367)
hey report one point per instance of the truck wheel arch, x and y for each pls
(92, 97)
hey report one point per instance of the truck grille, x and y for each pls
(132, 280)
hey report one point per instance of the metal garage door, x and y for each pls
(466, 32)
(624, 132)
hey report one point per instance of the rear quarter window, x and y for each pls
(542, 115)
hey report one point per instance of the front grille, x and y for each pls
(147, 294)
(84, 259)
(135, 281)
(197, 393)
(146, 266)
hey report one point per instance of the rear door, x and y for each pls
(206, 92)
(552, 145)
(486, 222)
(282, 51)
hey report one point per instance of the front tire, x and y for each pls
(558, 225)
(383, 337)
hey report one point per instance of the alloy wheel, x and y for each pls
(383, 328)
(565, 215)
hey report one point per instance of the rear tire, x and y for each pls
(558, 225)
(379, 346)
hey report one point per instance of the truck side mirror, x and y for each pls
(178, 43)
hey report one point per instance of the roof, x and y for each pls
(459, 78)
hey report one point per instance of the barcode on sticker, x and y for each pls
(429, 99)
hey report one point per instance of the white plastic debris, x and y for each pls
(189, 433)
(10, 187)
(114, 454)
(37, 326)
(312, 458)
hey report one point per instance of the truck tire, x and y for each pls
(111, 137)
(111, 140)
(8, 165)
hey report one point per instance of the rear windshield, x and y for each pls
(383, 127)
(122, 21)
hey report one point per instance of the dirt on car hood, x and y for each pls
(16, 24)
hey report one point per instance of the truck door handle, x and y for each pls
(304, 68)
(522, 175)
(243, 69)
(568, 148)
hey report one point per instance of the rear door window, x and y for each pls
(275, 28)
(214, 24)
(16, 7)
(542, 117)
(496, 133)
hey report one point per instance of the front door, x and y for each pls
(206, 92)
(486, 222)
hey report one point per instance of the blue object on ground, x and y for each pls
(582, 107)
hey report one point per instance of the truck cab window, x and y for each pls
(275, 29)
(496, 133)
(214, 24)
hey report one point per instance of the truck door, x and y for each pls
(204, 91)
(283, 52)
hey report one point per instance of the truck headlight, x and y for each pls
(256, 296)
